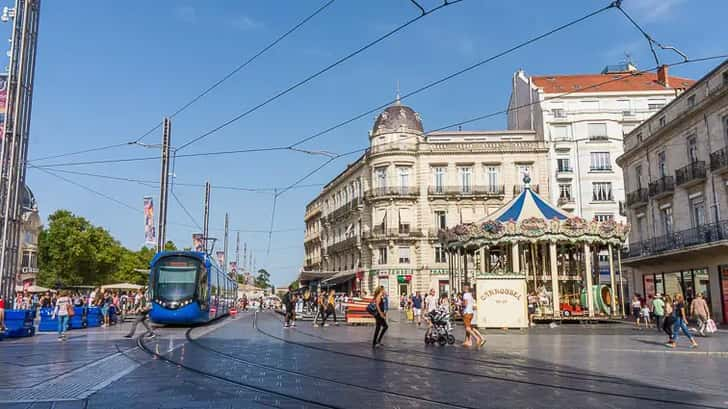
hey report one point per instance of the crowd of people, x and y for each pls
(323, 305)
(671, 315)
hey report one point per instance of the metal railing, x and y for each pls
(719, 159)
(662, 186)
(639, 196)
(480, 190)
(693, 172)
(393, 191)
(708, 233)
(564, 200)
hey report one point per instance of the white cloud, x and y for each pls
(245, 23)
(186, 14)
(653, 10)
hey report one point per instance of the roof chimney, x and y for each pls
(662, 76)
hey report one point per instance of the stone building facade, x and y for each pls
(675, 168)
(376, 223)
(583, 119)
(29, 232)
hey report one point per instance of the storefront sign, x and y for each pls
(404, 278)
(501, 303)
(724, 289)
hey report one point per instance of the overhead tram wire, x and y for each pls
(505, 111)
(187, 212)
(368, 112)
(317, 74)
(205, 91)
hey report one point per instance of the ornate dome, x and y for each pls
(395, 116)
(27, 199)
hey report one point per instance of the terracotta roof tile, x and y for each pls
(557, 84)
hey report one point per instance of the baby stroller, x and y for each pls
(441, 330)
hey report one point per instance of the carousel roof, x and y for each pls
(527, 205)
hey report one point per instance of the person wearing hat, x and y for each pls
(658, 309)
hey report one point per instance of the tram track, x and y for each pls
(495, 377)
(159, 356)
(571, 375)
(321, 378)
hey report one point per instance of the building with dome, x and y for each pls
(376, 222)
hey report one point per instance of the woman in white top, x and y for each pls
(61, 310)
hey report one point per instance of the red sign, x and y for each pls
(723, 270)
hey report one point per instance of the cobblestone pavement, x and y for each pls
(252, 362)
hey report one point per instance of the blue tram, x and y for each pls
(188, 287)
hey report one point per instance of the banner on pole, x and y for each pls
(198, 242)
(150, 238)
(3, 103)
(220, 258)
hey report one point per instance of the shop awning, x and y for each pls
(338, 278)
(315, 275)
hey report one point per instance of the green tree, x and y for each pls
(262, 280)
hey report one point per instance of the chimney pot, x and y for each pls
(662, 76)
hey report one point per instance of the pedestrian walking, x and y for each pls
(330, 308)
(669, 318)
(636, 309)
(468, 313)
(289, 305)
(430, 306)
(646, 315)
(658, 309)
(142, 317)
(700, 311)
(381, 318)
(319, 309)
(417, 308)
(2, 313)
(63, 310)
(532, 302)
(680, 323)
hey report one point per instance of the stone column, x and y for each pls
(588, 272)
(515, 258)
(555, 297)
(612, 281)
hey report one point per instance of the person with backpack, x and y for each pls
(376, 308)
(146, 307)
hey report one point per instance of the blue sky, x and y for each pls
(108, 71)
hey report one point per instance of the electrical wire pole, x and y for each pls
(164, 184)
(14, 147)
(225, 245)
(206, 221)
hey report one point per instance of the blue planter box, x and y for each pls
(19, 323)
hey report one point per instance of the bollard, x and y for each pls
(233, 312)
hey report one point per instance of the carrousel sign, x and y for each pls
(501, 303)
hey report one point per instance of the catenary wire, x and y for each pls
(368, 112)
(184, 209)
(316, 74)
(205, 91)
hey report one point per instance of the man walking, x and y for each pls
(658, 309)
(288, 303)
(417, 307)
(143, 314)
(700, 312)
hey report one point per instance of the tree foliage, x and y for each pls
(72, 251)
(262, 280)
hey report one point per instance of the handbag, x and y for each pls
(710, 326)
(70, 311)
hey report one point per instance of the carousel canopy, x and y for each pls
(526, 205)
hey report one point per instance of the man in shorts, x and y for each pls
(417, 307)
(468, 312)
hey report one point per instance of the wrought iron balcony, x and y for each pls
(662, 187)
(691, 174)
(637, 198)
(566, 201)
(564, 173)
(393, 191)
(719, 160)
(473, 190)
(705, 234)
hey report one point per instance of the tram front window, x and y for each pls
(176, 278)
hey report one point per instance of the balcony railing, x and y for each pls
(691, 173)
(479, 190)
(662, 186)
(637, 198)
(598, 138)
(719, 159)
(566, 200)
(705, 234)
(394, 191)
(563, 173)
(519, 188)
(394, 146)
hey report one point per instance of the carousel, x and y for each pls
(532, 253)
